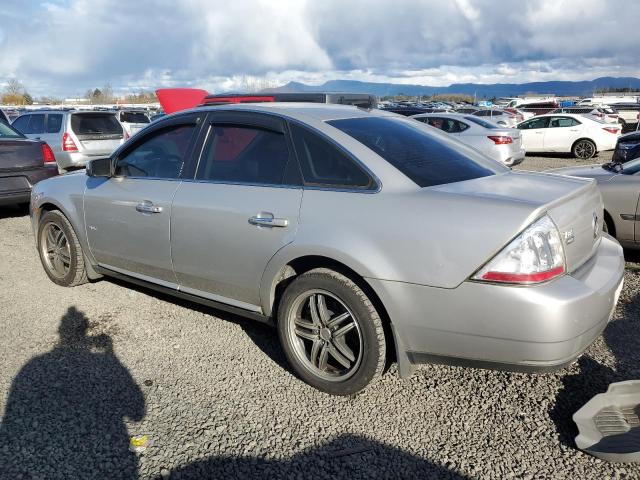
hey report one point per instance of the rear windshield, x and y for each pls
(481, 122)
(133, 117)
(95, 124)
(427, 158)
(7, 131)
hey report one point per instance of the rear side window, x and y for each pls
(21, 123)
(426, 158)
(133, 117)
(159, 155)
(243, 154)
(482, 123)
(96, 125)
(36, 124)
(323, 164)
(534, 123)
(563, 122)
(54, 122)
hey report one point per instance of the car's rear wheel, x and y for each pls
(331, 333)
(60, 251)
(584, 149)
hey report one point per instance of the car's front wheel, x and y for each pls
(60, 251)
(584, 149)
(331, 333)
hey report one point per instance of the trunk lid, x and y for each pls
(18, 154)
(575, 206)
(98, 133)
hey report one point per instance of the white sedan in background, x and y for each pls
(500, 143)
(581, 136)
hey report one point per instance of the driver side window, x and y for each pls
(160, 155)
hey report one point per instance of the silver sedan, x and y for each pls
(500, 143)
(363, 236)
(620, 188)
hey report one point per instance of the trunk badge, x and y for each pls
(569, 237)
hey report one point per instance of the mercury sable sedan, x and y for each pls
(364, 237)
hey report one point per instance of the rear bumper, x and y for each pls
(506, 327)
(27, 179)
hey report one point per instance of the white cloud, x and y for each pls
(63, 47)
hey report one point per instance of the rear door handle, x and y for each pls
(148, 207)
(266, 219)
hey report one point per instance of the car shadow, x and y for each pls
(348, 456)
(64, 416)
(13, 211)
(593, 377)
(262, 335)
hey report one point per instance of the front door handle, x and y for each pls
(266, 219)
(148, 207)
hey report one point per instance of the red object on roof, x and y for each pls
(176, 99)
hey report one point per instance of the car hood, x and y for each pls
(586, 171)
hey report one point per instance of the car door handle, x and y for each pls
(264, 219)
(148, 207)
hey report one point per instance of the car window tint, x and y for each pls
(534, 123)
(21, 123)
(563, 122)
(324, 164)
(427, 158)
(54, 122)
(133, 117)
(242, 154)
(36, 124)
(160, 155)
(95, 125)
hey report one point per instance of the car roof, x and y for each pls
(296, 110)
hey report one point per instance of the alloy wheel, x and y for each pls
(585, 149)
(56, 250)
(325, 335)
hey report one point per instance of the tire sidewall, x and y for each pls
(348, 293)
(60, 221)
(575, 147)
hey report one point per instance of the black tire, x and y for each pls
(371, 350)
(76, 274)
(584, 149)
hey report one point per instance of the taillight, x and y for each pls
(68, 144)
(500, 140)
(534, 256)
(47, 154)
(611, 129)
(126, 136)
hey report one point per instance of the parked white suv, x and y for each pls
(133, 121)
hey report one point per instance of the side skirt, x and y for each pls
(187, 296)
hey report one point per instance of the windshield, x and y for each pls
(7, 131)
(481, 122)
(426, 157)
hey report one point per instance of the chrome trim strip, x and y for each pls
(221, 299)
(146, 278)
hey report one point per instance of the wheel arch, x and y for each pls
(274, 286)
(611, 226)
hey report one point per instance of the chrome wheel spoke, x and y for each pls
(58, 265)
(51, 240)
(301, 322)
(341, 332)
(335, 321)
(315, 350)
(305, 334)
(65, 257)
(341, 359)
(322, 309)
(343, 349)
(314, 310)
(324, 356)
(59, 236)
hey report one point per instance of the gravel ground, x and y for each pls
(82, 369)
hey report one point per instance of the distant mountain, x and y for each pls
(560, 88)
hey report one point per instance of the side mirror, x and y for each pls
(100, 167)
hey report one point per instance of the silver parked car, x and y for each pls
(74, 136)
(356, 232)
(501, 144)
(620, 188)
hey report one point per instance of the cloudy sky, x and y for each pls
(64, 47)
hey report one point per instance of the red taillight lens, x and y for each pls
(47, 154)
(500, 140)
(68, 144)
(611, 129)
(523, 277)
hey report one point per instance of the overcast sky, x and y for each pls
(64, 47)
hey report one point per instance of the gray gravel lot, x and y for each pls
(82, 369)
